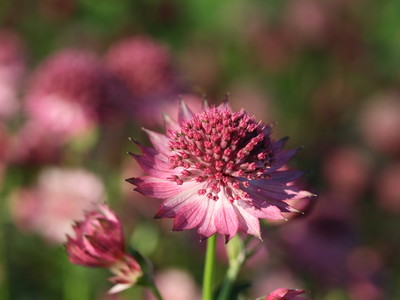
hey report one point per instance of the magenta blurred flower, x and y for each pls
(60, 197)
(63, 92)
(34, 144)
(217, 171)
(146, 68)
(346, 170)
(387, 188)
(286, 294)
(321, 243)
(12, 69)
(144, 64)
(380, 123)
(175, 284)
(70, 92)
(99, 242)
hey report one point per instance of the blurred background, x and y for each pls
(78, 77)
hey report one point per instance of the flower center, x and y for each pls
(224, 149)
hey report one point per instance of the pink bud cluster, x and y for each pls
(99, 242)
(286, 294)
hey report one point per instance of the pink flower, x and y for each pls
(71, 92)
(12, 69)
(217, 171)
(145, 67)
(175, 284)
(99, 242)
(60, 197)
(379, 123)
(143, 64)
(286, 294)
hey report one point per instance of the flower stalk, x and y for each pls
(237, 256)
(208, 275)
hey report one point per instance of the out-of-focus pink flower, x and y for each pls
(272, 48)
(346, 170)
(60, 197)
(12, 68)
(306, 20)
(145, 66)
(99, 242)
(286, 294)
(68, 92)
(33, 144)
(388, 189)
(268, 281)
(175, 284)
(201, 62)
(252, 99)
(380, 123)
(365, 290)
(217, 171)
(321, 243)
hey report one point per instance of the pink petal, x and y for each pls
(153, 166)
(169, 124)
(226, 220)
(285, 176)
(159, 141)
(191, 214)
(270, 212)
(248, 223)
(159, 188)
(184, 112)
(174, 203)
(207, 228)
(281, 158)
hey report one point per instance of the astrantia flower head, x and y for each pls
(99, 242)
(217, 171)
(60, 196)
(286, 294)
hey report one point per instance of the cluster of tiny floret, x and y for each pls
(222, 148)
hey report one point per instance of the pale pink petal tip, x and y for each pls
(286, 294)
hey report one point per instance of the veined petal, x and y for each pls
(207, 227)
(153, 166)
(159, 188)
(226, 220)
(174, 203)
(248, 223)
(159, 141)
(281, 158)
(285, 176)
(191, 214)
(263, 210)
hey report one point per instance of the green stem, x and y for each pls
(155, 291)
(209, 268)
(231, 275)
(4, 287)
